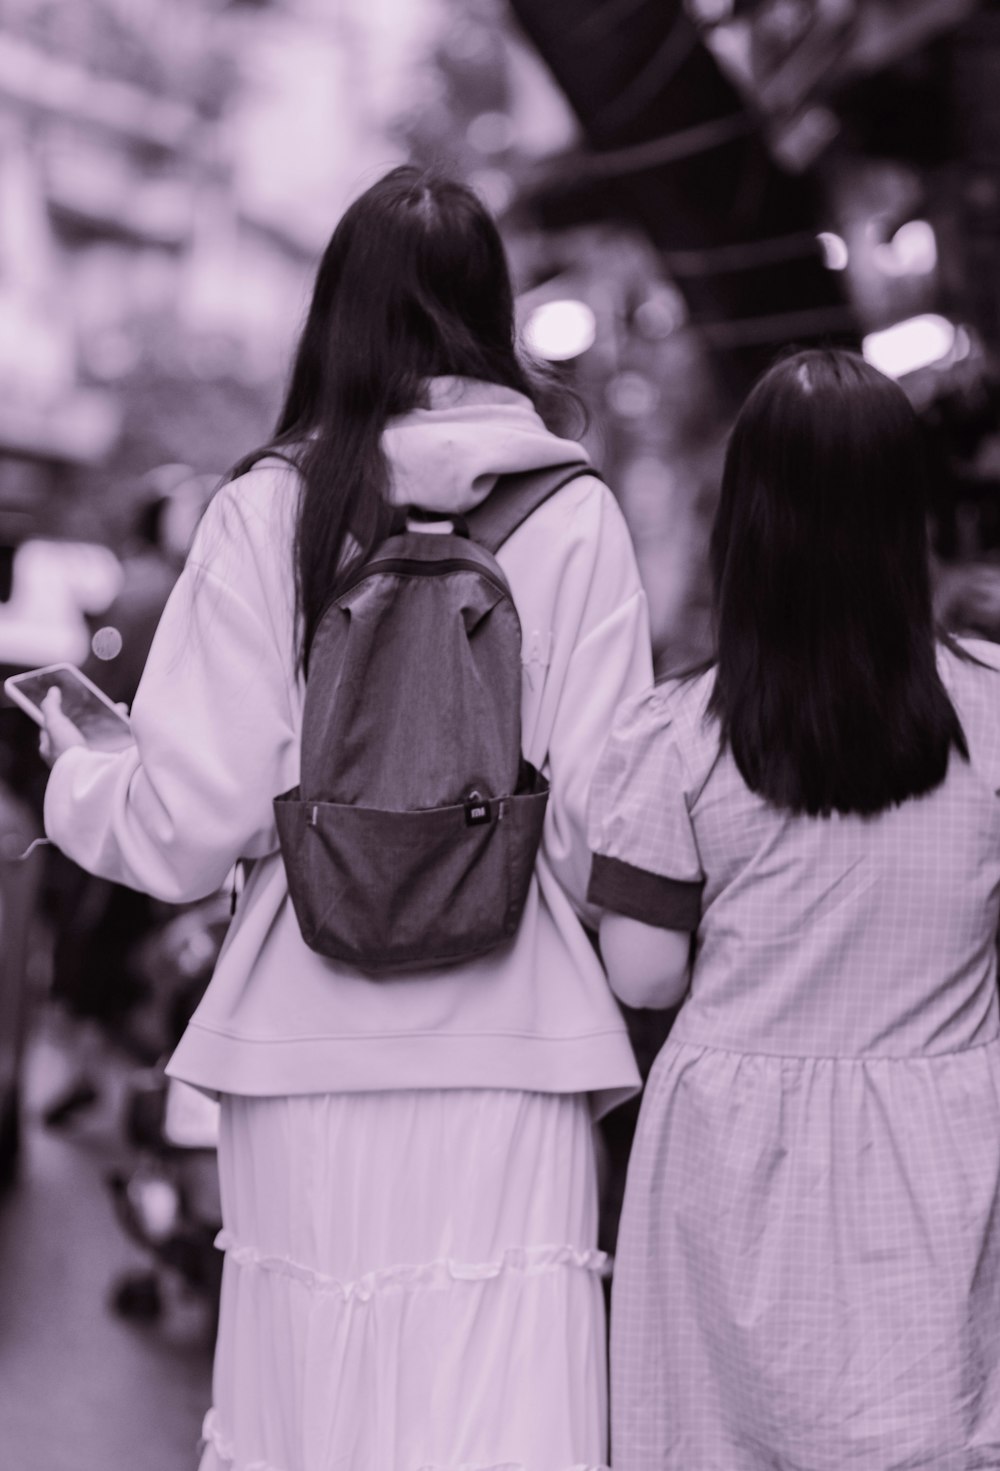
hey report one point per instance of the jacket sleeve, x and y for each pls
(609, 660)
(215, 737)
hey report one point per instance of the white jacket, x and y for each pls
(216, 722)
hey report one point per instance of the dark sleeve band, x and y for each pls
(670, 904)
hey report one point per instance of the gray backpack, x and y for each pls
(410, 840)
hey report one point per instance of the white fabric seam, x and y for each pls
(529, 1260)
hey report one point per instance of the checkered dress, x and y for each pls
(808, 1266)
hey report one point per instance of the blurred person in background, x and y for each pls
(99, 924)
(407, 1165)
(169, 505)
(808, 1266)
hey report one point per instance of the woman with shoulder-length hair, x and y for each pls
(800, 847)
(407, 1164)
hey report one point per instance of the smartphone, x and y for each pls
(97, 718)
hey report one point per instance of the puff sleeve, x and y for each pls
(645, 861)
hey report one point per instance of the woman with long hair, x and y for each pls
(799, 847)
(407, 1164)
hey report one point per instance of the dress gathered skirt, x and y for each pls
(411, 1283)
(808, 1266)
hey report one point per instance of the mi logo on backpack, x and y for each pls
(411, 751)
(476, 811)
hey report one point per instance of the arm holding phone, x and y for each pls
(71, 710)
(214, 724)
(60, 732)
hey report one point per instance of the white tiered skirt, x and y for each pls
(411, 1284)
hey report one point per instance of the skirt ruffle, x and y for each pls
(427, 1276)
(220, 1455)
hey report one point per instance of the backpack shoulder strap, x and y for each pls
(514, 497)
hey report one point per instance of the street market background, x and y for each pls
(686, 188)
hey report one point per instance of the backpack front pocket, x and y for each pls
(392, 891)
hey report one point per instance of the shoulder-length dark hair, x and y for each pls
(413, 284)
(826, 684)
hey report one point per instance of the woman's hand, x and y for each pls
(58, 733)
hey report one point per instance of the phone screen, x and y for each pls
(99, 723)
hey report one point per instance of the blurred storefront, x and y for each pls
(798, 171)
(167, 176)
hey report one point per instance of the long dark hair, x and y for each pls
(826, 684)
(413, 284)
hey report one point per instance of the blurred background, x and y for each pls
(686, 188)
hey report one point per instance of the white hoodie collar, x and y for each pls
(447, 457)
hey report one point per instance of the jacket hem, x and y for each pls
(601, 1065)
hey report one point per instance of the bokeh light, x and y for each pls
(560, 330)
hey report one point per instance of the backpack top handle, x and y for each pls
(515, 497)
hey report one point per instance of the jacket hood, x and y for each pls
(447, 457)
